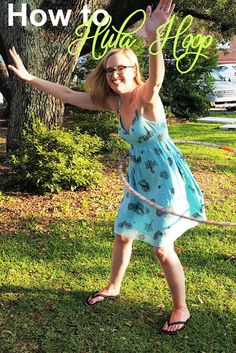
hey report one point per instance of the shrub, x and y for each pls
(186, 94)
(52, 160)
(97, 123)
(116, 147)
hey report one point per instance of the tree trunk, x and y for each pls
(49, 64)
(44, 53)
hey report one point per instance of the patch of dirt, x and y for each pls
(33, 213)
(3, 168)
(173, 121)
(26, 212)
(215, 186)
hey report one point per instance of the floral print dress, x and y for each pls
(158, 171)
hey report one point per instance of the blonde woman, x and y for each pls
(156, 169)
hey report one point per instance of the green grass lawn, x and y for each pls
(48, 267)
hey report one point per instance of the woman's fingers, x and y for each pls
(161, 5)
(12, 53)
(12, 68)
(167, 6)
(15, 57)
(15, 52)
(17, 66)
(172, 8)
(148, 11)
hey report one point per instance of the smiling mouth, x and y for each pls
(116, 82)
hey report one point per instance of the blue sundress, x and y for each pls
(158, 171)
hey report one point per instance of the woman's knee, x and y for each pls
(123, 240)
(163, 252)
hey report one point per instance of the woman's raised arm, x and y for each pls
(65, 94)
(154, 20)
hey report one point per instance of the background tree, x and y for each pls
(185, 94)
(44, 50)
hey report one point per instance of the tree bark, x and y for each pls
(44, 53)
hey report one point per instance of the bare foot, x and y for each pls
(181, 314)
(105, 291)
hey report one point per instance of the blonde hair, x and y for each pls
(96, 82)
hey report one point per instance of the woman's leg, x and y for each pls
(174, 274)
(122, 248)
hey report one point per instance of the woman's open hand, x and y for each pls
(18, 68)
(158, 17)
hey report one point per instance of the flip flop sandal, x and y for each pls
(184, 323)
(96, 294)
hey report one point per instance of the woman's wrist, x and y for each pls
(30, 78)
(152, 38)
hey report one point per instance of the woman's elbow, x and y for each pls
(66, 96)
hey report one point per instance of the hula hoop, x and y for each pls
(213, 145)
(166, 210)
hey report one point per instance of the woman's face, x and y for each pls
(120, 73)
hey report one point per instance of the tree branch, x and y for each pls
(224, 26)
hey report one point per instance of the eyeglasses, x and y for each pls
(119, 69)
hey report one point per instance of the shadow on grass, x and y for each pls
(81, 246)
(47, 315)
(45, 320)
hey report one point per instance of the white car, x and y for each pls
(228, 71)
(224, 93)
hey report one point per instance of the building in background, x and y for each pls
(227, 52)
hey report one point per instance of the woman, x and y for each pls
(157, 169)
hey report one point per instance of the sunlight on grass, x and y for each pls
(56, 249)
